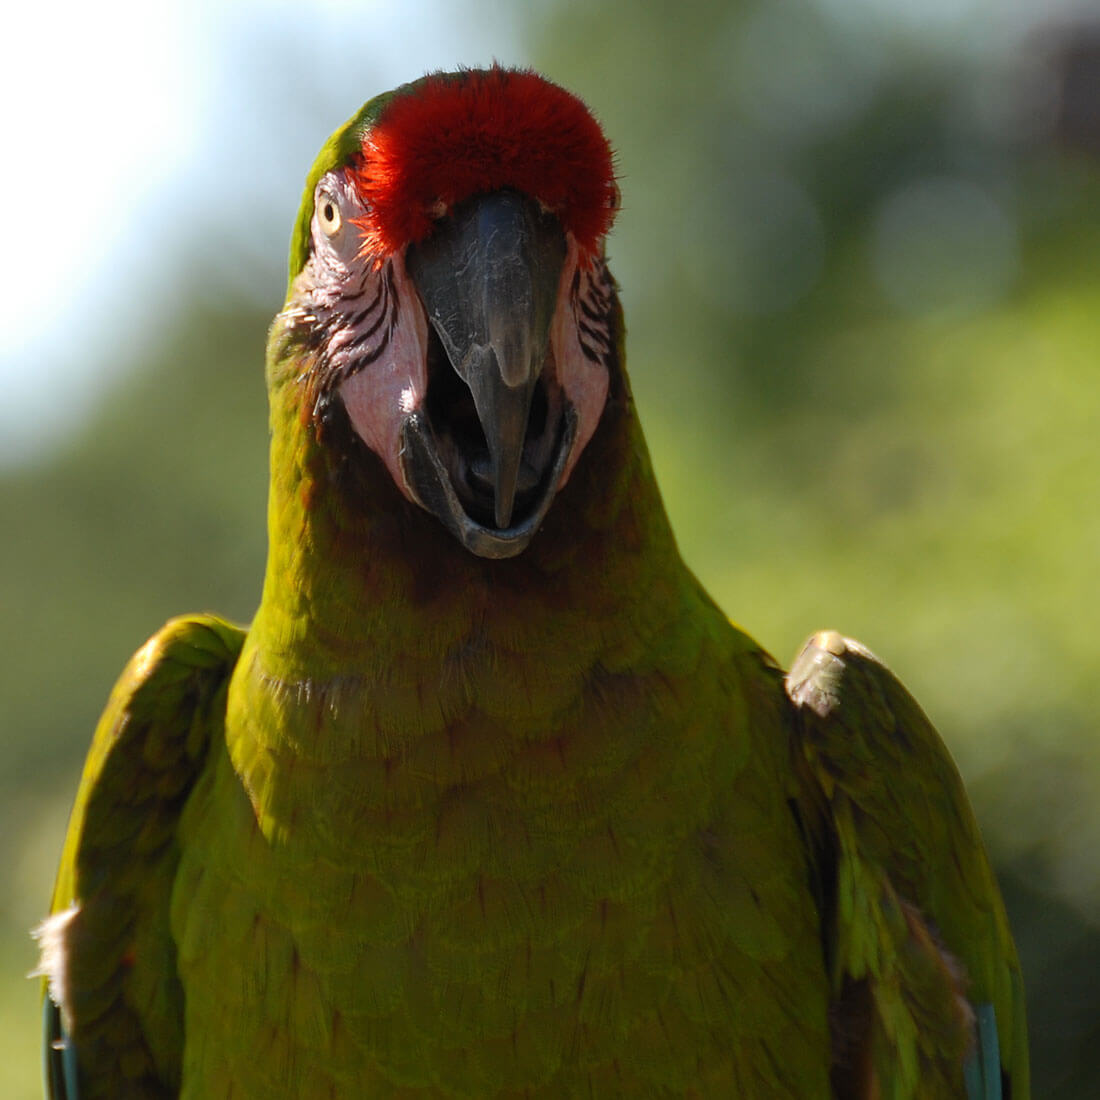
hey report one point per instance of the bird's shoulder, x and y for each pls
(917, 939)
(106, 950)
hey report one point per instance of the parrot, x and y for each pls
(491, 799)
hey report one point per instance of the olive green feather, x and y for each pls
(916, 933)
(122, 1012)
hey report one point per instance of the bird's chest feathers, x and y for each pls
(417, 855)
(436, 774)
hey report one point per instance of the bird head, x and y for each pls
(449, 291)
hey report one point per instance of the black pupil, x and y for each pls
(330, 214)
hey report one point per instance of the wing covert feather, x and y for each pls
(106, 948)
(917, 939)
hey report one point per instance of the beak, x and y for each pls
(489, 277)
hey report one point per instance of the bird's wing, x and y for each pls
(926, 986)
(113, 1008)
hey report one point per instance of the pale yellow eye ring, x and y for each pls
(328, 214)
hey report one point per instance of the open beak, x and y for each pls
(489, 277)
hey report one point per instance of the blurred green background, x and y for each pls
(860, 258)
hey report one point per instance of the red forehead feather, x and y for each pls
(455, 135)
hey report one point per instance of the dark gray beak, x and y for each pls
(488, 277)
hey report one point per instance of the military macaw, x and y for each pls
(491, 799)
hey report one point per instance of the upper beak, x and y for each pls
(489, 277)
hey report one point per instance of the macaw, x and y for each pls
(491, 799)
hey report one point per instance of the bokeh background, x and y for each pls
(860, 258)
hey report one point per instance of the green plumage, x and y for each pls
(121, 856)
(440, 825)
(918, 938)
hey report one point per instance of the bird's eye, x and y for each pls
(328, 214)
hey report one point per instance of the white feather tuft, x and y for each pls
(53, 959)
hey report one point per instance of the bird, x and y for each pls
(491, 798)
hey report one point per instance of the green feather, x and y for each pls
(122, 1018)
(923, 967)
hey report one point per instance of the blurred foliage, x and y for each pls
(859, 270)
